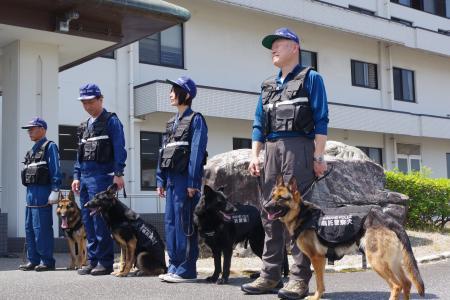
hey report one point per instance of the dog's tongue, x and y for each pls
(93, 211)
(64, 224)
(271, 216)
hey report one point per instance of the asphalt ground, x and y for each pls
(63, 284)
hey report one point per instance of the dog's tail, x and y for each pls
(411, 263)
(408, 255)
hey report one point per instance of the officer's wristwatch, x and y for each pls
(118, 174)
(320, 159)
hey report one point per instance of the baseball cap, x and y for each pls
(280, 33)
(36, 122)
(187, 84)
(89, 91)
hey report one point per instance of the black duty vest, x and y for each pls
(287, 109)
(177, 149)
(94, 142)
(36, 168)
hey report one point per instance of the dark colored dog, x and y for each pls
(70, 215)
(139, 242)
(385, 241)
(223, 225)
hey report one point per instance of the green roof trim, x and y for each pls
(154, 6)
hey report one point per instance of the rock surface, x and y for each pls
(354, 180)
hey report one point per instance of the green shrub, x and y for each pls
(429, 204)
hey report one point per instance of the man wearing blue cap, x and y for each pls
(291, 121)
(179, 179)
(100, 162)
(42, 177)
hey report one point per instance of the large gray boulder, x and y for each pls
(354, 180)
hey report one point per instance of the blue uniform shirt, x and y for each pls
(117, 137)
(51, 156)
(317, 99)
(198, 141)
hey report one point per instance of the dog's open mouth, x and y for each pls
(94, 211)
(226, 217)
(276, 212)
(64, 224)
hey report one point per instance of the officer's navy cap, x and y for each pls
(89, 91)
(187, 84)
(36, 122)
(281, 33)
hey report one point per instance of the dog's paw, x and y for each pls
(121, 274)
(222, 281)
(212, 278)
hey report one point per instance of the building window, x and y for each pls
(436, 7)
(241, 143)
(164, 48)
(442, 31)
(68, 147)
(404, 85)
(374, 154)
(150, 145)
(448, 165)
(109, 55)
(364, 74)
(408, 158)
(361, 10)
(404, 22)
(308, 59)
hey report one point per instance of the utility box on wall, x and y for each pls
(3, 233)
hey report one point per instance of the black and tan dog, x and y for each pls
(140, 244)
(383, 239)
(70, 216)
(223, 225)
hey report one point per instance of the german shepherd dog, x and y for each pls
(223, 225)
(140, 244)
(70, 215)
(384, 240)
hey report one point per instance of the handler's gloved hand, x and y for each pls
(53, 198)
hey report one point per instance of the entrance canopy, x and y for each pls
(84, 29)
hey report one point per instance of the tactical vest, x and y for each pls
(94, 142)
(176, 152)
(287, 109)
(36, 168)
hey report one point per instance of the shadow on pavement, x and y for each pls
(419, 241)
(370, 296)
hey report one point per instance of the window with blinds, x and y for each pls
(364, 74)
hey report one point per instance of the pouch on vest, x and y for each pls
(342, 228)
(35, 176)
(175, 158)
(304, 121)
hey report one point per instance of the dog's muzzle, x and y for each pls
(275, 211)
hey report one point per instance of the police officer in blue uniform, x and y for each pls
(42, 177)
(100, 162)
(179, 179)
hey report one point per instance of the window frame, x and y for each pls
(61, 150)
(366, 150)
(238, 139)
(419, 5)
(414, 100)
(316, 60)
(361, 10)
(408, 161)
(159, 46)
(352, 67)
(160, 134)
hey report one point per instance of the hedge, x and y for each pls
(429, 204)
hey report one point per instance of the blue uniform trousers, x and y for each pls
(181, 239)
(100, 247)
(39, 235)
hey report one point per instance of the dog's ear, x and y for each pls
(207, 189)
(60, 196)
(293, 187)
(280, 180)
(221, 188)
(112, 189)
(71, 196)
